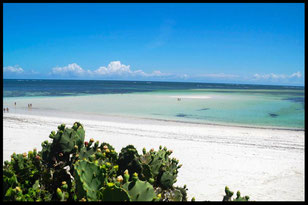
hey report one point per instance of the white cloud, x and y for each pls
(70, 69)
(114, 68)
(157, 73)
(13, 69)
(297, 75)
(273, 76)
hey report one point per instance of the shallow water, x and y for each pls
(251, 107)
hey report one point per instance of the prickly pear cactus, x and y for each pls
(240, 198)
(146, 173)
(168, 174)
(159, 167)
(24, 168)
(114, 193)
(229, 194)
(129, 159)
(62, 193)
(175, 195)
(109, 151)
(87, 153)
(89, 179)
(67, 138)
(183, 191)
(24, 191)
(9, 183)
(64, 143)
(60, 175)
(47, 154)
(172, 194)
(139, 190)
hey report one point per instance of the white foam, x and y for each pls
(192, 97)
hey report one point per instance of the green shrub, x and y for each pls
(70, 169)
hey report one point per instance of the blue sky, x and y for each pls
(224, 43)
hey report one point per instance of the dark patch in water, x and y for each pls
(181, 115)
(204, 109)
(273, 115)
(297, 100)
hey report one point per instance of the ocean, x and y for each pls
(212, 103)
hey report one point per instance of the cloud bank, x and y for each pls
(13, 69)
(114, 68)
(273, 76)
(70, 69)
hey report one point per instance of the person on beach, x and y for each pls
(3, 109)
(15, 104)
(7, 109)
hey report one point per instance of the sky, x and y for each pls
(250, 43)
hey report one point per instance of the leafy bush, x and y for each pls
(70, 169)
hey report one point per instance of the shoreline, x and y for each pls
(143, 119)
(254, 161)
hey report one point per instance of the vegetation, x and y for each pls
(70, 169)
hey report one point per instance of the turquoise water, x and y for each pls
(275, 107)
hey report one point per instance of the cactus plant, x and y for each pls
(129, 159)
(89, 179)
(239, 198)
(63, 144)
(139, 190)
(69, 169)
(114, 193)
(62, 193)
(161, 168)
(229, 194)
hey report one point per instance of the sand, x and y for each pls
(266, 164)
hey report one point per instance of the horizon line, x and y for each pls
(155, 81)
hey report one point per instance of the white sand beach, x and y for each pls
(266, 164)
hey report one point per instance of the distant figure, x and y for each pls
(7, 109)
(179, 99)
(3, 109)
(15, 103)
